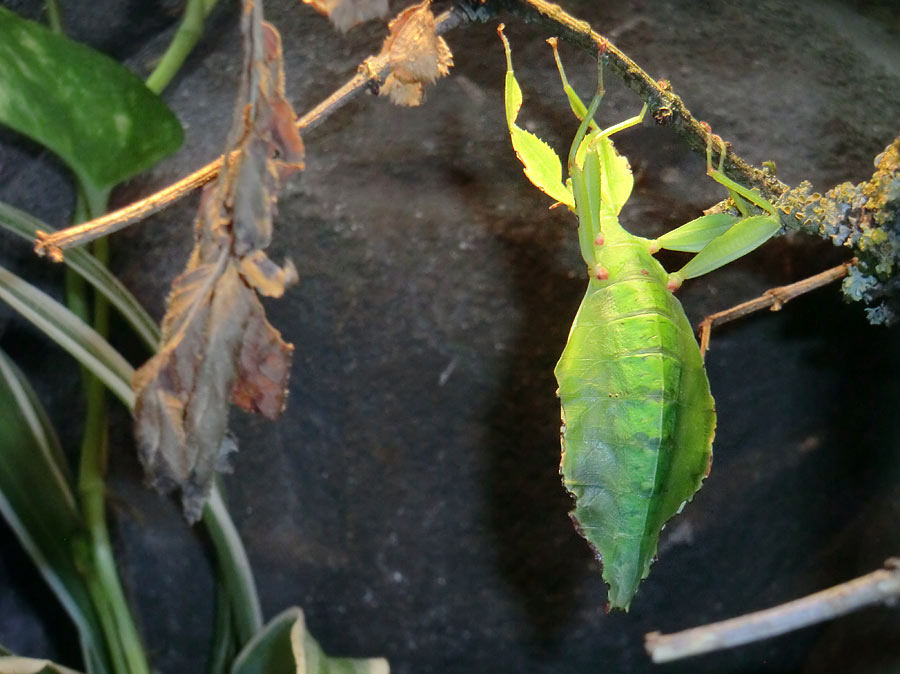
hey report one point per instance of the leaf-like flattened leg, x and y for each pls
(542, 165)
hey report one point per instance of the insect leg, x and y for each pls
(577, 105)
(746, 234)
(736, 190)
(621, 126)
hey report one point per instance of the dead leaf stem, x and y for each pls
(370, 73)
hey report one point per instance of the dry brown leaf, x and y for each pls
(345, 14)
(217, 345)
(416, 55)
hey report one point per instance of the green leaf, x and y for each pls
(512, 94)
(71, 333)
(13, 664)
(285, 647)
(37, 500)
(95, 114)
(91, 270)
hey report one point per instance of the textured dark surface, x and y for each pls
(409, 499)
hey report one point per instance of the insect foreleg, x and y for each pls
(586, 121)
(621, 126)
(577, 105)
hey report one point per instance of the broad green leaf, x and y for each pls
(37, 500)
(91, 270)
(71, 333)
(284, 646)
(13, 664)
(95, 114)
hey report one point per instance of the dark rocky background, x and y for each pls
(409, 499)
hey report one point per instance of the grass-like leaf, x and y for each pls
(71, 333)
(13, 664)
(103, 122)
(37, 500)
(284, 646)
(234, 569)
(91, 270)
(103, 361)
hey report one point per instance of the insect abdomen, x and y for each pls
(638, 420)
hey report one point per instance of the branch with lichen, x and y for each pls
(864, 218)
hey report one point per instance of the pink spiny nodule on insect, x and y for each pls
(638, 418)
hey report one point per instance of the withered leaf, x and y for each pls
(217, 345)
(345, 14)
(416, 55)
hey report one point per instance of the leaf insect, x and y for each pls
(638, 418)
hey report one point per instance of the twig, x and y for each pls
(773, 299)
(879, 587)
(370, 73)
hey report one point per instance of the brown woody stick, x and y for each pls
(773, 299)
(370, 73)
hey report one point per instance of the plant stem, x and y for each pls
(122, 637)
(187, 35)
(234, 568)
(54, 16)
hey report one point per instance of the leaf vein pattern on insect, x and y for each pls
(638, 418)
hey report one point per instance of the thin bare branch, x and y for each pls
(879, 587)
(54, 243)
(371, 74)
(773, 299)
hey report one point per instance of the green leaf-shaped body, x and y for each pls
(638, 417)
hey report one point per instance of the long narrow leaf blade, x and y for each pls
(234, 568)
(37, 501)
(71, 333)
(14, 664)
(91, 270)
